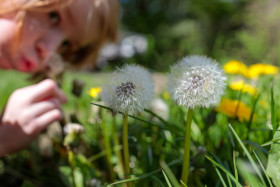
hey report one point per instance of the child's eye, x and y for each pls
(66, 45)
(54, 17)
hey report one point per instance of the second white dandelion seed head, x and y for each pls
(196, 81)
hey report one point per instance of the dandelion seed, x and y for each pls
(125, 90)
(129, 90)
(196, 81)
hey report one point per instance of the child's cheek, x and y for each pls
(8, 30)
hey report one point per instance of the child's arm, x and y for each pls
(28, 111)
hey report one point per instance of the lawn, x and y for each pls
(229, 142)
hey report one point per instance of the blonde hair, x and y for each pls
(107, 11)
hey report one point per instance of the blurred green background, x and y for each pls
(245, 30)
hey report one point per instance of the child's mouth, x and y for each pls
(26, 65)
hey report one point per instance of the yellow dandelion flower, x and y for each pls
(233, 108)
(270, 69)
(241, 86)
(255, 70)
(235, 67)
(94, 92)
(166, 95)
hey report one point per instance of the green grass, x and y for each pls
(219, 153)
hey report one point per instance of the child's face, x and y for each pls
(43, 33)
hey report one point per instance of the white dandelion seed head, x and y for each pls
(129, 90)
(196, 81)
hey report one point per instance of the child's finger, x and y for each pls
(42, 107)
(44, 120)
(47, 89)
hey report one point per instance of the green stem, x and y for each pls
(71, 162)
(117, 144)
(186, 162)
(154, 136)
(107, 148)
(125, 150)
(238, 103)
(251, 118)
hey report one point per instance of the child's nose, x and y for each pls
(46, 45)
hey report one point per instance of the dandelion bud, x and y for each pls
(77, 87)
(73, 128)
(72, 138)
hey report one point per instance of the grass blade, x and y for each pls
(171, 129)
(158, 180)
(252, 116)
(271, 142)
(125, 181)
(248, 154)
(140, 177)
(166, 123)
(220, 176)
(224, 170)
(272, 168)
(183, 183)
(267, 177)
(167, 180)
(253, 110)
(229, 181)
(234, 166)
(108, 108)
(273, 116)
(258, 146)
(169, 173)
(247, 175)
(157, 116)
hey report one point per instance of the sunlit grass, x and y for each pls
(156, 142)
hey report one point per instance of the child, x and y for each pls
(31, 32)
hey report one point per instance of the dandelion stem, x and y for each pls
(238, 103)
(107, 147)
(71, 162)
(186, 162)
(125, 149)
(117, 144)
(154, 137)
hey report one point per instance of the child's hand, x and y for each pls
(28, 111)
